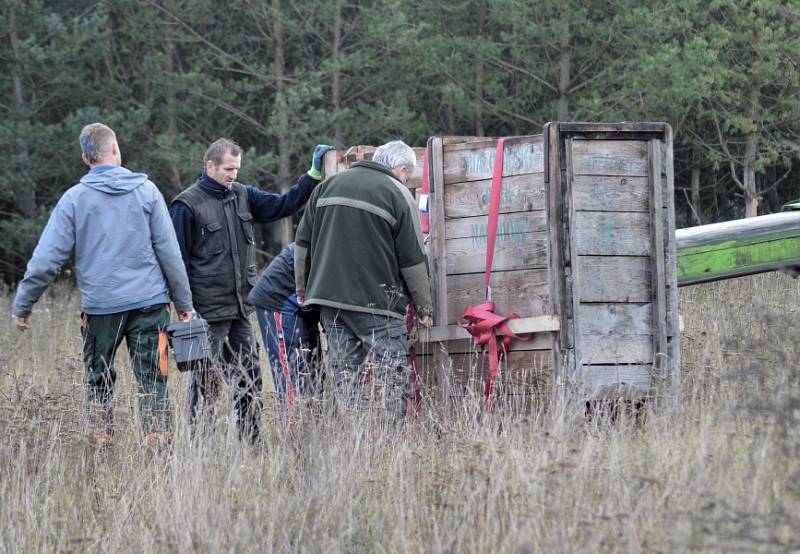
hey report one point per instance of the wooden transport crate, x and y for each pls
(611, 232)
(585, 255)
(339, 160)
(460, 178)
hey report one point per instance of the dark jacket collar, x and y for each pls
(211, 186)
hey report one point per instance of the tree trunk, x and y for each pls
(751, 143)
(479, 74)
(695, 187)
(285, 226)
(750, 154)
(108, 59)
(695, 207)
(749, 176)
(336, 78)
(172, 121)
(450, 113)
(564, 66)
(26, 193)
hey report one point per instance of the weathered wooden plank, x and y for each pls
(521, 193)
(519, 326)
(437, 234)
(615, 279)
(610, 157)
(673, 331)
(556, 275)
(438, 260)
(524, 367)
(657, 229)
(620, 129)
(330, 163)
(610, 194)
(474, 161)
(736, 248)
(618, 320)
(611, 349)
(613, 234)
(611, 378)
(461, 140)
(468, 255)
(670, 251)
(510, 227)
(538, 341)
(525, 292)
(571, 228)
(517, 368)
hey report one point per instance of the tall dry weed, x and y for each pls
(720, 473)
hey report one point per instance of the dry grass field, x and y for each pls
(719, 472)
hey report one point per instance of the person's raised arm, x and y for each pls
(269, 206)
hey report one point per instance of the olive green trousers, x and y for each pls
(144, 333)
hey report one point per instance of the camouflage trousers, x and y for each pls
(368, 359)
(147, 349)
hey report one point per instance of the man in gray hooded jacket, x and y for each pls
(128, 264)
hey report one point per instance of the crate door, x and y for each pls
(610, 229)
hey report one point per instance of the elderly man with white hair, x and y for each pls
(359, 259)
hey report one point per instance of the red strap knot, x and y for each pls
(483, 324)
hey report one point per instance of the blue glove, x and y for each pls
(316, 162)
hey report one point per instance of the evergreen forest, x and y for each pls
(280, 76)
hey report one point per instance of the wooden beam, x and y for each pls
(673, 319)
(561, 342)
(438, 262)
(624, 129)
(540, 324)
(658, 274)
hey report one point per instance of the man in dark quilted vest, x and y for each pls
(214, 221)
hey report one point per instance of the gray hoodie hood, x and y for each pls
(112, 179)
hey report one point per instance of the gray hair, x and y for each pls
(219, 148)
(96, 139)
(394, 154)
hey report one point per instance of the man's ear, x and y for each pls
(85, 159)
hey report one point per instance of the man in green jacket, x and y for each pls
(359, 258)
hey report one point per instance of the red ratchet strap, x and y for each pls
(424, 211)
(414, 403)
(287, 374)
(480, 321)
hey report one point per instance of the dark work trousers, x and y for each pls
(235, 355)
(367, 351)
(292, 343)
(102, 335)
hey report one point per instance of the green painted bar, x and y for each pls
(738, 248)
